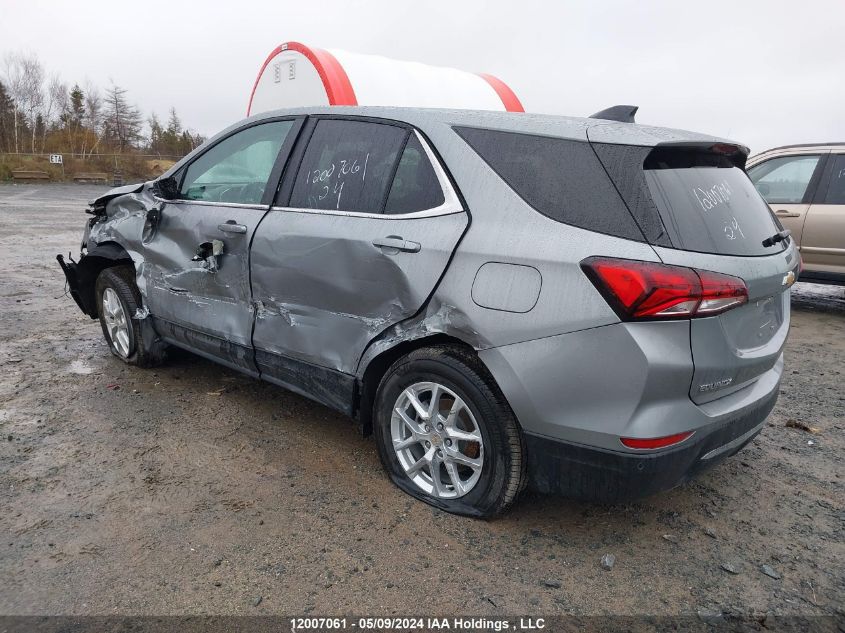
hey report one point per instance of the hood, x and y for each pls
(98, 205)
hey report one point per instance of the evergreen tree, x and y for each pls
(122, 124)
(7, 121)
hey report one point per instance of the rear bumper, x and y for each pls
(595, 474)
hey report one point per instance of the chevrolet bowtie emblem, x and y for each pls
(788, 279)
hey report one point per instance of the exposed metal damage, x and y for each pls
(274, 337)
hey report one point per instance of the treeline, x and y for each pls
(41, 114)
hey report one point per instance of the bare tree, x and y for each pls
(93, 118)
(81, 120)
(56, 106)
(27, 75)
(15, 85)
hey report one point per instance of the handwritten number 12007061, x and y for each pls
(334, 179)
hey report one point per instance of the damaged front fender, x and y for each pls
(82, 276)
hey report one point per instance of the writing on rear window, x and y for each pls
(732, 229)
(717, 194)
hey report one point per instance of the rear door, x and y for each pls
(787, 184)
(717, 221)
(197, 253)
(360, 235)
(823, 241)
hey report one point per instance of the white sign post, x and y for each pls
(57, 159)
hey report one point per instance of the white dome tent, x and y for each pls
(296, 75)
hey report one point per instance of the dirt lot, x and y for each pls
(191, 489)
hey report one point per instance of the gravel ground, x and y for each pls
(193, 490)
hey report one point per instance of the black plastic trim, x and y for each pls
(822, 277)
(596, 474)
(329, 387)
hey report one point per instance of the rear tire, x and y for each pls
(446, 435)
(119, 304)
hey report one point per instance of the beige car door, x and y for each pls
(823, 241)
(783, 181)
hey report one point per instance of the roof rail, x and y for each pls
(799, 145)
(621, 113)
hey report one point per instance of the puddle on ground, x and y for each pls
(80, 367)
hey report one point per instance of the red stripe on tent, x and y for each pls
(509, 99)
(335, 80)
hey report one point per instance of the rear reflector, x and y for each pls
(648, 290)
(655, 442)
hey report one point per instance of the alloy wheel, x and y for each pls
(437, 440)
(117, 324)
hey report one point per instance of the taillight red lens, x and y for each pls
(655, 442)
(650, 290)
(720, 292)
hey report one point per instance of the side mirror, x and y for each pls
(167, 188)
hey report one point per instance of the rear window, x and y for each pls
(415, 185)
(708, 204)
(561, 178)
(348, 166)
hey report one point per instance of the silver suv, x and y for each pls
(591, 306)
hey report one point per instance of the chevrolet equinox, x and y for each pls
(590, 306)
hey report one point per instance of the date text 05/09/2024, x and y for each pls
(415, 623)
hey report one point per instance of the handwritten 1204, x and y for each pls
(335, 178)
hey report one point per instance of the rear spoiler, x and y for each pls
(694, 153)
(621, 113)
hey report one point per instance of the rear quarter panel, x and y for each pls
(505, 229)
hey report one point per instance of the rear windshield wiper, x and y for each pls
(777, 237)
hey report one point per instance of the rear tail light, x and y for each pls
(647, 290)
(655, 442)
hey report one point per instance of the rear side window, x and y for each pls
(415, 186)
(784, 180)
(348, 166)
(836, 188)
(708, 204)
(560, 178)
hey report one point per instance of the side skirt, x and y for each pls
(329, 387)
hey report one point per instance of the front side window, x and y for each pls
(784, 180)
(836, 188)
(348, 166)
(236, 169)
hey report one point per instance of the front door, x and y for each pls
(823, 242)
(784, 182)
(368, 230)
(197, 256)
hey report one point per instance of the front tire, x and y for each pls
(118, 306)
(446, 435)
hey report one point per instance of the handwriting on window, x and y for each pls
(720, 193)
(327, 185)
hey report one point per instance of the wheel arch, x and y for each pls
(97, 259)
(377, 366)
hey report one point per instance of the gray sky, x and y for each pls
(762, 72)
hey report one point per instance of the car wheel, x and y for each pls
(119, 304)
(446, 435)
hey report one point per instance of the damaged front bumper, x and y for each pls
(77, 282)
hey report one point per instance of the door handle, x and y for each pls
(231, 227)
(783, 213)
(396, 242)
